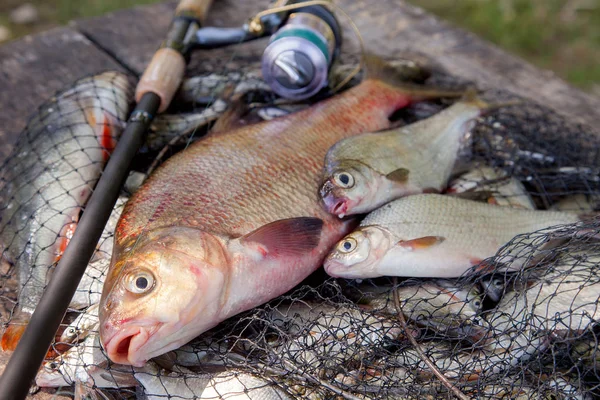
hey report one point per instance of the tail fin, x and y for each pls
(378, 69)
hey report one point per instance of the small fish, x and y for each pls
(439, 304)
(231, 223)
(49, 177)
(432, 235)
(504, 191)
(85, 365)
(229, 384)
(319, 331)
(82, 326)
(366, 171)
(565, 298)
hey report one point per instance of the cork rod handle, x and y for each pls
(196, 8)
(167, 67)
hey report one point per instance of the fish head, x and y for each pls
(358, 254)
(50, 375)
(350, 188)
(161, 292)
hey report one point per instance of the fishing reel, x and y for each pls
(305, 41)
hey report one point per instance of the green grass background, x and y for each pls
(561, 35)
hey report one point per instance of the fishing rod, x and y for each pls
(154, 92)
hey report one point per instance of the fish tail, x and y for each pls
(380, 70)
(471, 96)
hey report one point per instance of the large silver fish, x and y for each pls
(54, 167)
(431, 235)
(364, 172)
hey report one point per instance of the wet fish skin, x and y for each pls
(366, 171)
(55, 164)
(505, 191)
(229, 384)
(431, 235)
(234, 238)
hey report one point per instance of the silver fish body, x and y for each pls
(431, 235)
(366, 171)
(55, 164)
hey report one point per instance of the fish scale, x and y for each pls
(231, 222)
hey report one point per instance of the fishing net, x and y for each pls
(529, 333)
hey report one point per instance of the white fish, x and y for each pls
(431, 235)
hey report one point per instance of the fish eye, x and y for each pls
(477, 303)
(140, 282)
(497, 283)
(343, 179)
(347, 245)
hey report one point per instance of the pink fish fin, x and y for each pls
(421, 243)
(289, 237)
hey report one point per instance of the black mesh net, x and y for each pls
(529, 333)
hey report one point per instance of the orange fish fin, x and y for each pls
(421, 243)
(12, 335)
(399, 175)
(290, 237)
(483, 266)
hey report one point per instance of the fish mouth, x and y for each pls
(335, 205)
(124, 346)
(330, 266)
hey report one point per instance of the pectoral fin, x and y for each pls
(399, 175)
(286, 237)
(421, 243)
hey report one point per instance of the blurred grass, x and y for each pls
(561, 35)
